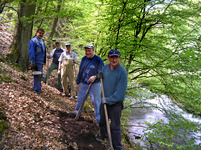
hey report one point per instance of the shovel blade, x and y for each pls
(37, 73)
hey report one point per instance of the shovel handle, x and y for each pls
(47, 71)
(106, 116)
(78, 113)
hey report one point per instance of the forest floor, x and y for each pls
(43, 121)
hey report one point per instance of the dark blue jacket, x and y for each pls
(88, 68)
(37, 51)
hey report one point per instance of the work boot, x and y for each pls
(37, 92)
(100, 139)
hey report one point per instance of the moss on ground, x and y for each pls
(3, 124)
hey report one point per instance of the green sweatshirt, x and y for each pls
(115, 84)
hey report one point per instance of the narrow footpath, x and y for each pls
(42, 121)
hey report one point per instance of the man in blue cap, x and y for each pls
(37, 56)
(115, 85)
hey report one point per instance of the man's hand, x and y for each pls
(33, 67)
(59, 71)
(104, 101)
(74, 61)
(92, 79)
(48, 56)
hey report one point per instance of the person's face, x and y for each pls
(68, 48)
(58, 45)
(114, 60)
(89, 52)
(40, 34)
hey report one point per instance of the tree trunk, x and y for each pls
(55, 21)
(23, 33)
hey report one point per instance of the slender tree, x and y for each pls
(23, 33)
(55, 20)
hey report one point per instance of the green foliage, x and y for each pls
(10, 57)
(17, 66)
(2, 59)
(5, 78)
(179, 87)
(174, 135)
(87, 107)
(23, 78)
(126, 112)
(177, 134)
(3, 124)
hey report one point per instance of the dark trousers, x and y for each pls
(114, 114)
(37, 78)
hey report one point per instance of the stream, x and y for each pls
(152, 107)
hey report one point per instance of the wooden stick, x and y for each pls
(47, 71)
(106, 116)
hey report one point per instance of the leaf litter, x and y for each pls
(43, 121)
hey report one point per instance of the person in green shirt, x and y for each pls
(55, 54)
(115, 86)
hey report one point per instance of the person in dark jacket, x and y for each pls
(90, 66)
(115, 85)
(37, 56)
(55, 54)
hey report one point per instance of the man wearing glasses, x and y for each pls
(37, 56)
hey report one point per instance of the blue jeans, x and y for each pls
(95, 94)
(37, 78)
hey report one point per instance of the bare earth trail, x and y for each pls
(42, 121)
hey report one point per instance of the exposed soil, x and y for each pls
(39, 121)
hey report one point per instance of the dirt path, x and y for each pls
(42, 121)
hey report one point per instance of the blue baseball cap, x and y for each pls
(67, 44)
(114, 52)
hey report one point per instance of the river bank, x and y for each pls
(156, 122)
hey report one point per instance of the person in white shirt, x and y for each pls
(66, 62)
